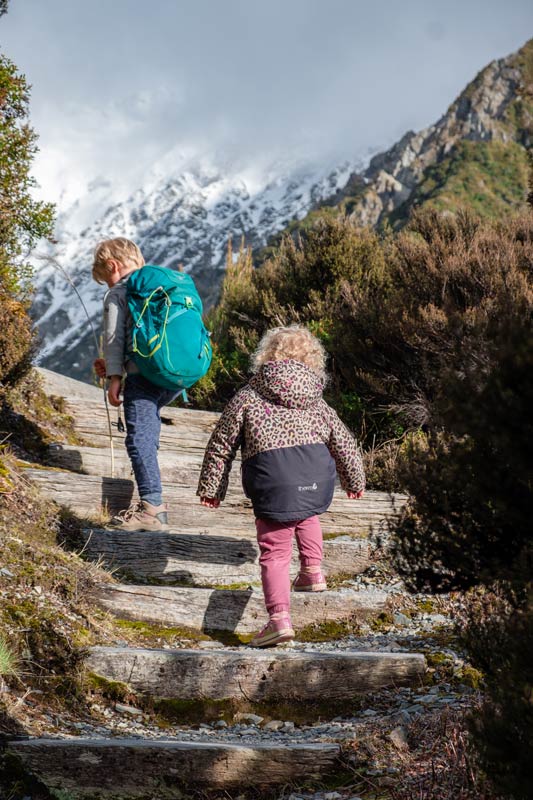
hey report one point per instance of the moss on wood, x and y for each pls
(147, 631)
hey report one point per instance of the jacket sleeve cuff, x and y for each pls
(113, 368)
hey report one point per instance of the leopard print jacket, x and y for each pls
(281, 407)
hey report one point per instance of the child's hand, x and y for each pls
(210, 502)
(113, 391)
(99, 367)
(355, 495)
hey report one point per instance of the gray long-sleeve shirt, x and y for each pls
(118, 326)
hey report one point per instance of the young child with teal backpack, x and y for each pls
(153, 331)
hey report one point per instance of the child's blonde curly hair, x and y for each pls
(295, 342)
(122, 250)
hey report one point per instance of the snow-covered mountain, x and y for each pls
(180, 216)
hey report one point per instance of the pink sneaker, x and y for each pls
(309, 582)
(274, 632)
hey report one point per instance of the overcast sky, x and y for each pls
(117, 83)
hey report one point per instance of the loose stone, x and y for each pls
(6, 572)
(416, 709)
(273, 725)
(398, 737)
(427, 698)
(123, 709)
(401, 619)
(254, 719)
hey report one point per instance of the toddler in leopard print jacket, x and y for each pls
(293, 445)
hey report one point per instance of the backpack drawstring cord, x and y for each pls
(162, 337)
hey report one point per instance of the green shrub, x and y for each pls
(450, 285)
(471, 485)
(23, 221)
(301, 282)
(499, 638)
(468, 525)
(399, 315)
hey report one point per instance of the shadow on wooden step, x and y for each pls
(65, 457)
(160, 556)
(206, 610)
(117, 494)
(218, 608)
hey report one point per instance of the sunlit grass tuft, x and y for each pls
(8, 660)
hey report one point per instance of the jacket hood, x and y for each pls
(288, 383)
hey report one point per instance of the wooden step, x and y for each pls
(63, 386)
(183, 470)
(88, 495)
(182, 429)
(178, 468)
(164, 768)
(257, 676)
(237, 611)
(203, 559)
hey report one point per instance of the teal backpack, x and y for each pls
(170, 344)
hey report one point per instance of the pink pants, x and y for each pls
(275, 543)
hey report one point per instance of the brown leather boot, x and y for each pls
(141, 516)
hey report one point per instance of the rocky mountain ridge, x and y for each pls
(496, 107)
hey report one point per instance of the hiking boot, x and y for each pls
(274, 632)
(141, 516)
(309, 582)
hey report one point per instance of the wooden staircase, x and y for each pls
(186, 578)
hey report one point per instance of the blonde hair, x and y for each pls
(122, 250)
(295, 342)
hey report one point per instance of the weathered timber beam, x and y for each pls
(133, 768)
(203, 559)
(88, 495)
(240, 611)
(255, 676)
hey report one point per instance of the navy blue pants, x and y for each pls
(143, 402)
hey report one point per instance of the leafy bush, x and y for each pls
(468, 525)
(301, 282)
(430, 338)
(499, 638)
(450, 285)
(399, 315)
(232, 341)
(471, 485)
(23, 221)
